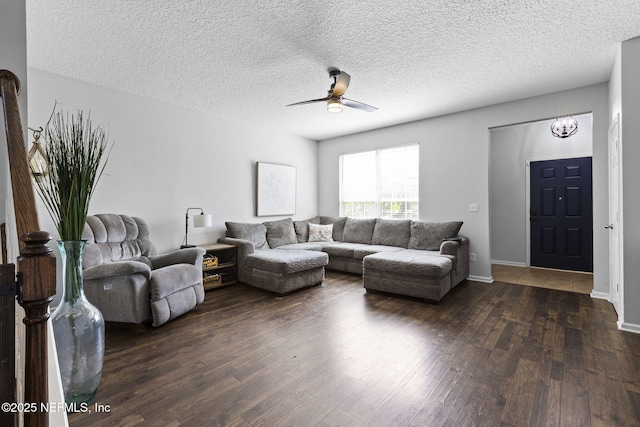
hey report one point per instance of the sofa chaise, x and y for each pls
(419, 259)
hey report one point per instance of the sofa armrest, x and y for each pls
(191, 256)
(454, 246)
(244, 247)
(458, 248)
(119, 268)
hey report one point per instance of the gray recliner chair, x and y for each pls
(126, 279)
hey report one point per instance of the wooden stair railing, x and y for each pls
(36, 266)
(7, 341)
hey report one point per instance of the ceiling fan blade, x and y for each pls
(311, 101)
(341, 84)
(358, 105)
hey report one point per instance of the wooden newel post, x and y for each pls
(36, 265)
(38, 268)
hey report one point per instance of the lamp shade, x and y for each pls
(202, 220)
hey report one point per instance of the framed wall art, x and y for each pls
(276, 189)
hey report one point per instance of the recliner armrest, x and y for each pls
(119, 268)
(191, 256)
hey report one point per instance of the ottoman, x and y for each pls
(409, 273)
(283, 271)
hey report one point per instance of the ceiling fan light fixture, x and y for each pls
(335, 99)
(334, 105)
(564, 127)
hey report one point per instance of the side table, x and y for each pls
(223, 274)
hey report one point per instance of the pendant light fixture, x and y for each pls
(37, 157)
(564, 127)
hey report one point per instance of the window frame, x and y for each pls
(376, 206)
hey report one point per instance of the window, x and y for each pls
(381, 183)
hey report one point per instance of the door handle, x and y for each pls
(609, 226)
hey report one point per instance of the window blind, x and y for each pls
(383, 183)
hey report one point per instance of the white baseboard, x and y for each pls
(509, 263)
(629, 327)
(623, 326)
(601, 295)
(481, 279)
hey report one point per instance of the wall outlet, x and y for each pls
(473, 207)
(472, 257)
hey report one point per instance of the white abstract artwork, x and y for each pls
(276, 189)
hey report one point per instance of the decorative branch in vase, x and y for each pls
(76, 153)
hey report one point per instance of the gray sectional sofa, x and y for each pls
(419, 259)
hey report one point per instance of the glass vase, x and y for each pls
(78, 327)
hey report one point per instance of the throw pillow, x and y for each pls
(320, 233)
(302, 228)
(280, 233)
(338, 225)
(429, 235)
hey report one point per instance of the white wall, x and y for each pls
(167, 159)
(511, 147)
(615, 88)
(13, 57)
(454, 165)
(630, 126)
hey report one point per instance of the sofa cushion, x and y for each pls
(287, 262)
(92, 256)
(307, 246)
(111, 237)
(342, 249)
(409, 263)
(94, 231)
(255, 233)
(107, 228)
(302, 228)
(320, 233)
(359, 230)
(359, 253)
(280, 232)
(147, 248)
(392, 232)
(338, 225)
(429, 235)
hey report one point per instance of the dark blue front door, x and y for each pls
(561, 214)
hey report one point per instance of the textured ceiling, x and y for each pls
(412, 59)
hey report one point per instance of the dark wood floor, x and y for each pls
(488, 354)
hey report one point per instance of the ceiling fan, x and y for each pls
(335, 100)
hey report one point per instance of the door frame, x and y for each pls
(527, 166)
(614, 131)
